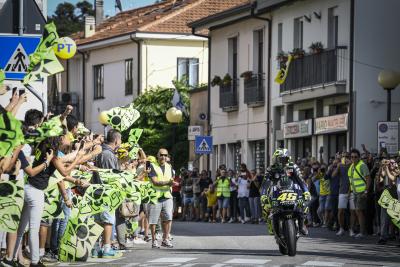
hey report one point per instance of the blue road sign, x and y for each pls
(203, 145)
(14, 54)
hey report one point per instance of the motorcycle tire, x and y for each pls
(283, 250)
(290, 237)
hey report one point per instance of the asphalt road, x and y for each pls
(223, 245)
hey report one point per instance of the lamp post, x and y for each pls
(389, 80)
(103, 119)
(174, 116)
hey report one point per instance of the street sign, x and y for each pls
(203, 145)
(193, 131)
(14, 56)
(388, 136)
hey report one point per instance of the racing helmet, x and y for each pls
(281, 156)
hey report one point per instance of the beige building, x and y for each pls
(137, 50)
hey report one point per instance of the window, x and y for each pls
(338, 109)
(298, 33)
(189, 68)
(306, 114)
(333, 21)
(280, 28)
(128, 77)
(98, 81)
(232, 59)
(258, 54)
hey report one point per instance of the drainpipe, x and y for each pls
(83, 85)
(208, 89)
(139, 71)
(268, 79)
(351, 73)
(21, 18)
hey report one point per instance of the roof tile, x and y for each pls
(170, 16)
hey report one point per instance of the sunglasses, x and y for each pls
(163, 155)
(354, 157)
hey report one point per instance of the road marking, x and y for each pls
(323, 263)
(218, 265)
(247, 261)
(172, 260)
(131, 264)
(100, 260)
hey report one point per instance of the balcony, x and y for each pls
(254, 90)
(316, 75)
(228, 96)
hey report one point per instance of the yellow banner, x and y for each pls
(283, 72)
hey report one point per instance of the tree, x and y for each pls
(69, 19)
(158, 132)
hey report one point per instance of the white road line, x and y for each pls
(218, 265)
(131, 264)
(247, 261)
(101, 260)
(323, 263)
(172, 260)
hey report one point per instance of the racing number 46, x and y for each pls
(287, 196)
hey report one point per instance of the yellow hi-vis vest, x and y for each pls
(223, 187)
(163, 191)
(357, 183)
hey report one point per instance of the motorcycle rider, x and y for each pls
(281, 163)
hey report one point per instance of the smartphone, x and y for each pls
(14, 90)
(21, 92)
(148, 165)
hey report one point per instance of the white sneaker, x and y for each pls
(139, 241)
(351, 233)
(341, 232)
(158, 236)
(231, 220)
(242, 221)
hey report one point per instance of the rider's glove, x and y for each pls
(307, 196)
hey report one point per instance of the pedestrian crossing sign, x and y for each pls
(203, 145)
(14, 56)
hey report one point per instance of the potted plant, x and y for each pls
(246, 75)
(316, 47)
(216, 80)
(282, 56)
(298, 53)
(227, 80)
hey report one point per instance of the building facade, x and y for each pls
(330, 101)
(135, 51)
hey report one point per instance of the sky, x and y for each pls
(109, 5)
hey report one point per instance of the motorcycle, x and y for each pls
(287, 202)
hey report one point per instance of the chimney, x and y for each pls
(89, 26)
(99, 7)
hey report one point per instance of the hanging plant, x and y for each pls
(227, 80)
(216, 80)
(316, 47)
(247, 75)
(298, 53)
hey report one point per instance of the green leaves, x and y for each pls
(158, 132)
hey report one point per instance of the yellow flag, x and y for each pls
(283, 72)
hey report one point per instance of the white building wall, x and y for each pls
(113, 58)
(376, 45)
(246, 124)
(159, 60)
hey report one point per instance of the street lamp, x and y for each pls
(389, 80)
(174, 116)
(103, 119)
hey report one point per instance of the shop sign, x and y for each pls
(297, 129)
(388, 136)
(331, 124)
(194, 131)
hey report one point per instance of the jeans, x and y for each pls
(31, 213)
(255, 207)
(384, 224)
(233, 204)
(244, 206)
(59, 225)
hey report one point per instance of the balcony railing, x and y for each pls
(228, 96)
(326, 67)
(254, 90)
